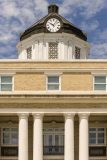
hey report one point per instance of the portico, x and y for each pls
(70, 120)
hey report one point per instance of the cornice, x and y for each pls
(53, 97)
(51, 35)
(94, 71)
(53, 61)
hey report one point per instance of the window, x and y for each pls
(53, 83)
(53, 141)
(6, 83)
(53, 50)
(9, 136)
(29, 53)
(100, 83)
(97, 136)
(77, 53)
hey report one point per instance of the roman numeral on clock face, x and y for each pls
(53, 25)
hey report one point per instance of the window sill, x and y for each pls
(53, 157)
(96, 145)
(100, 158)
(6, 157)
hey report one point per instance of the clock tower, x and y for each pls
(53, 37)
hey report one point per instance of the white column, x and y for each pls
(38, 136)
(83, 136)
(23, 136)
(69, 136)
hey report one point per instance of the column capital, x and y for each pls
(37, 115)
(23, 114)
(84, 115)
(69, 115)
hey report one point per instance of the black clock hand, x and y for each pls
(55, 24)
(52, 24)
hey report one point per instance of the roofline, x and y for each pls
(53, 4)
(53, 61)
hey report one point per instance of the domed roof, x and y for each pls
(40, 26)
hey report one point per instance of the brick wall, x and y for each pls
(76, 82)
(37, 82)
(29, 82)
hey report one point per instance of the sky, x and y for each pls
(88, 15)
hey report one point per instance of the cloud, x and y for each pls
(15, 17)
(9, 9)
(86, 8)
(41, 6)
(89, 26)
(98, 51)
(8, 52)
(99, 46)
(102, 34)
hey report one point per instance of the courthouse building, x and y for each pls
(53, 99)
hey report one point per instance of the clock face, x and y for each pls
(53, 25)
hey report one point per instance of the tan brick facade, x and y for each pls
(76, 82)
(70, 81)
(29, 82)
(37, 82)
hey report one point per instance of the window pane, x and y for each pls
(6, 87)
(53, 79)
(14, 129)
(50, 140)
(62, 140)
(100, 140)
(100, 129)
(92, 129)
(14, 141)
(92, 141)
(100, 87)
(100, 135)
(53, 87)
(56, 140)
(92, 135)
(14, 135)
(7, 79)
(56, 129)
(100, 79)
(6, 135)
(6, 141)
(44, 140)
(6, 129)
(50, 129)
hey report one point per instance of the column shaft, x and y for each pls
(23, 136)
(37, 137)
(69, 136)
(83, 137)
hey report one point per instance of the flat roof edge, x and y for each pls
(53, 61)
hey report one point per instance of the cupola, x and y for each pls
(53, 8)
(53, 38)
